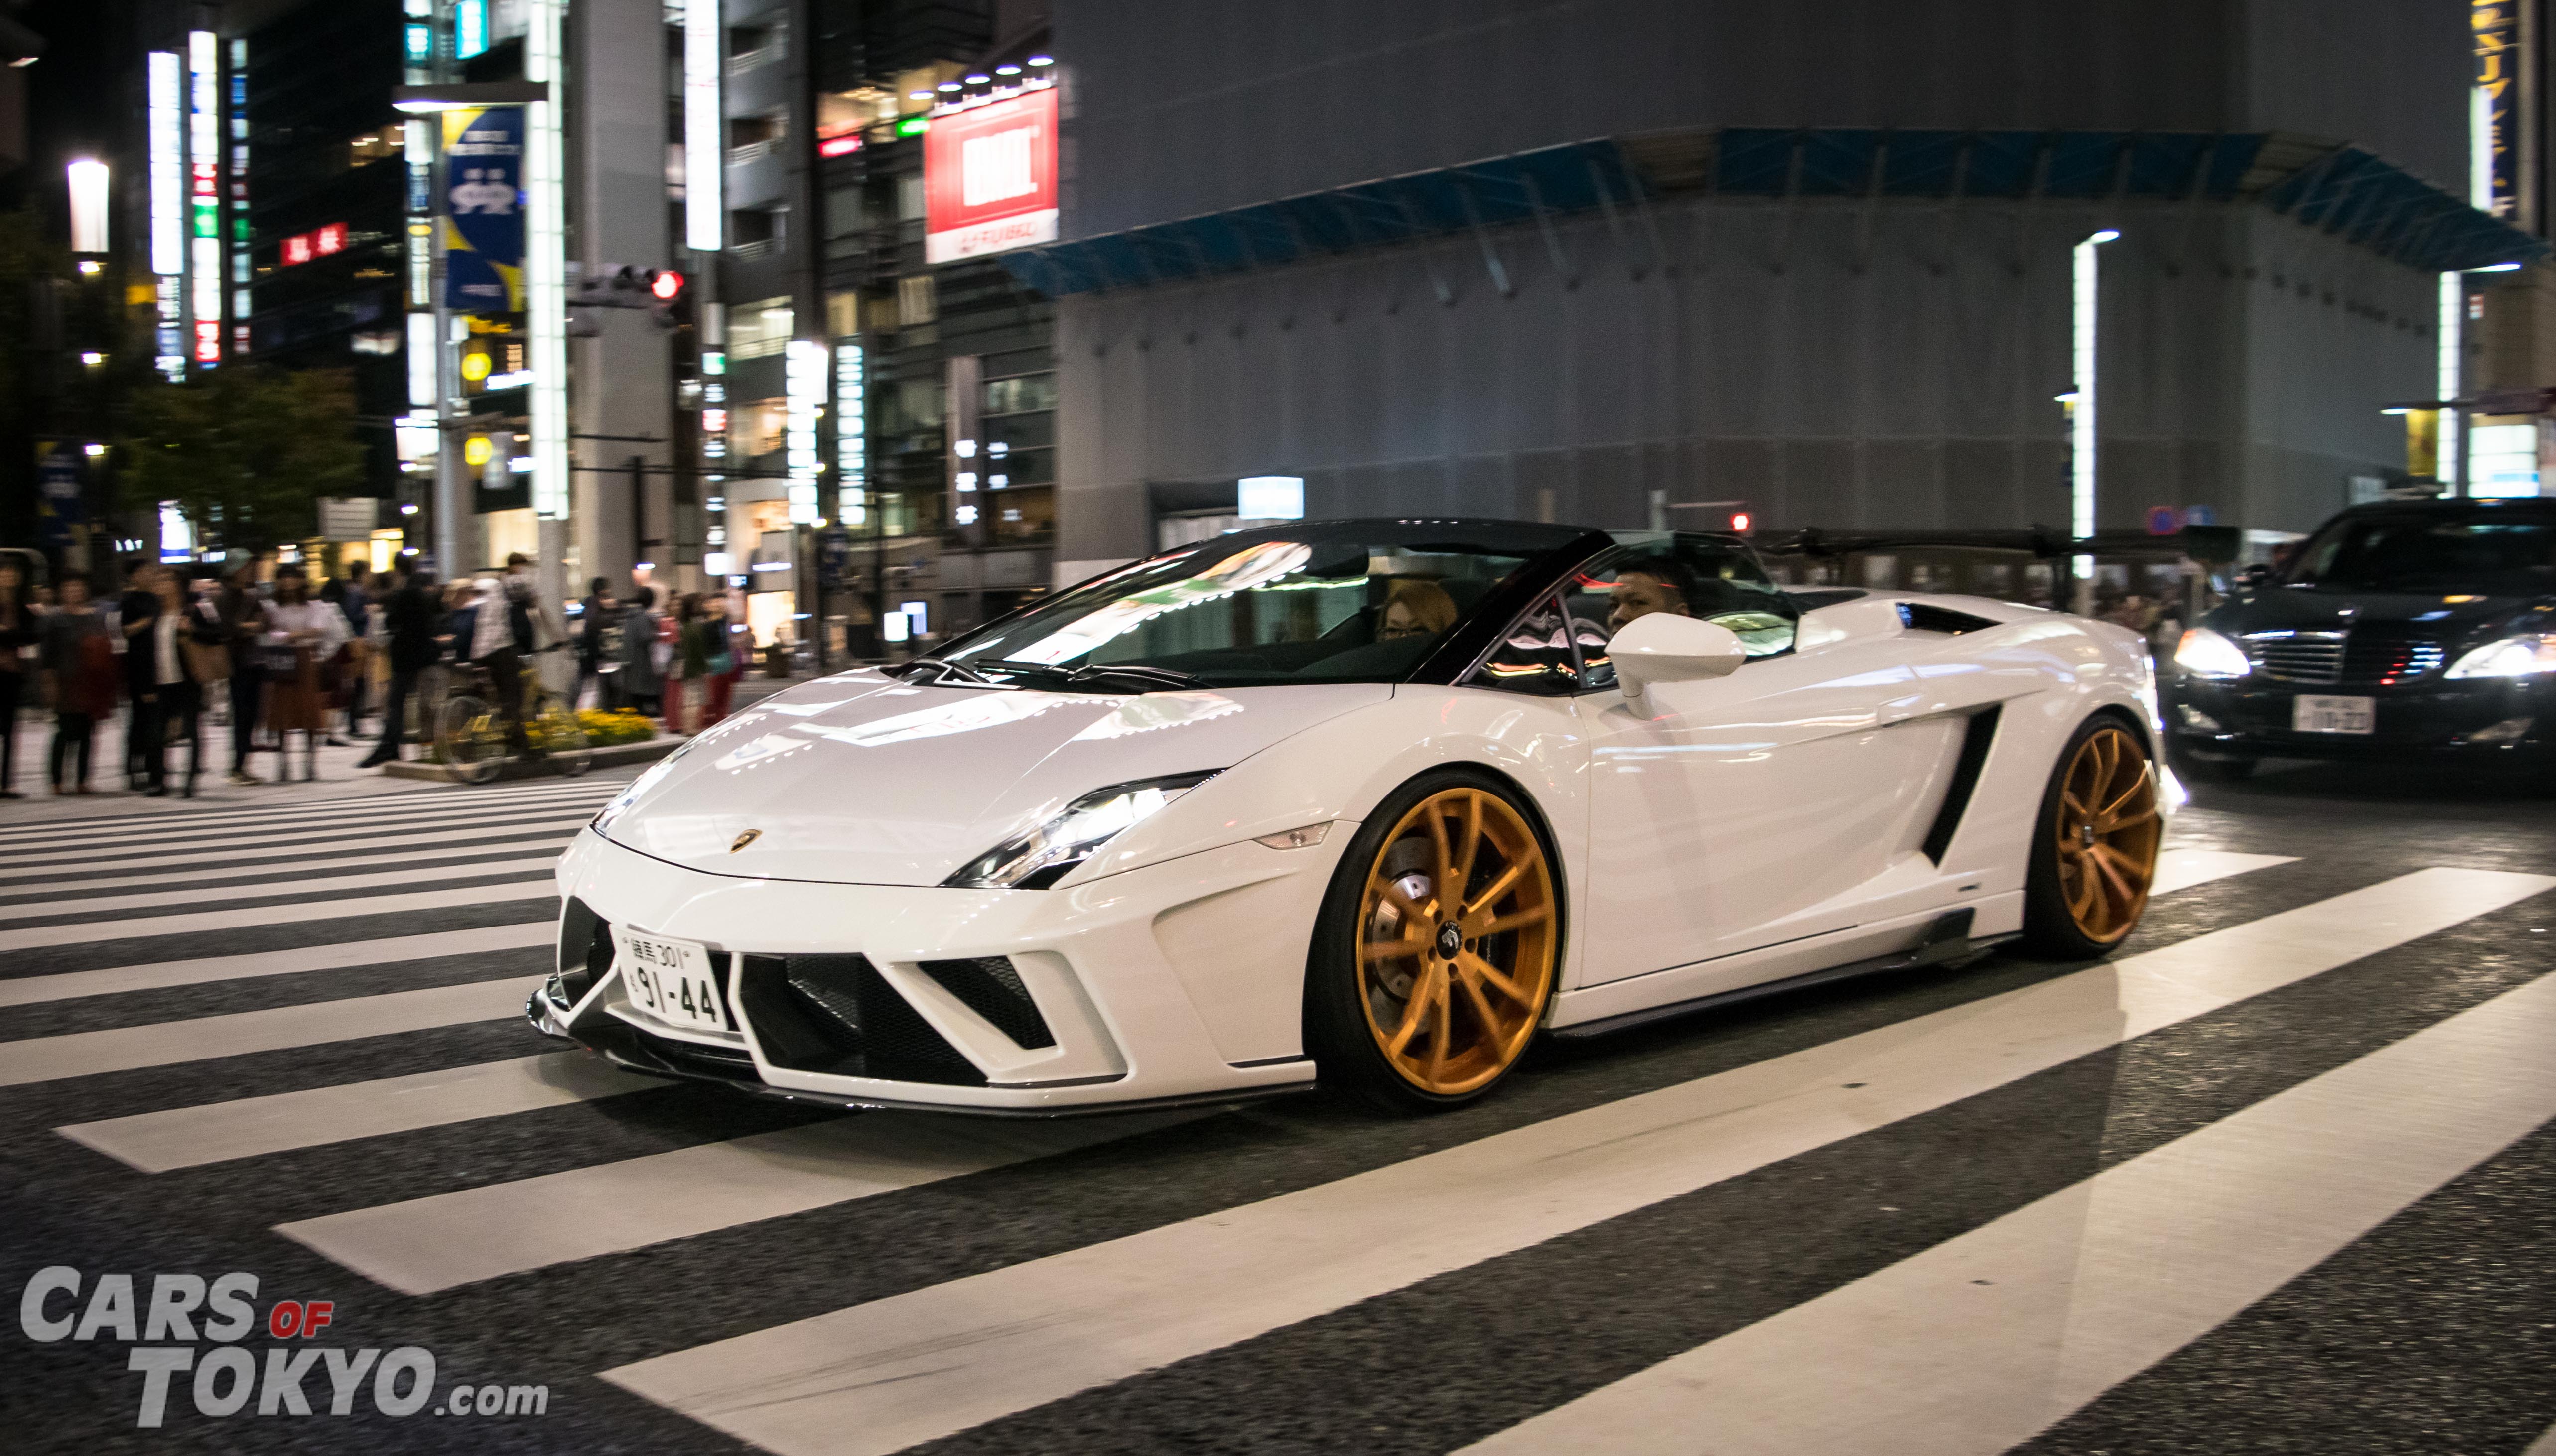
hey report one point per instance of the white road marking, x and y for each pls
(246, 861)
(280, 820)
(150, 900)
(416, 798)
(166, 1044)
(2183, 869)
(436, 1242)
(184, 1138)
(1983, 1341)
(242, 880)
(2545, 1445)
(883, 1376)
(26, 990)
(364, 836)
(35, 936)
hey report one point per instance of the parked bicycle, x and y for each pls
(470, 734)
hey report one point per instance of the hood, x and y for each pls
(860, 779)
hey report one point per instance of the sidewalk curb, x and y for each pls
(645, 751)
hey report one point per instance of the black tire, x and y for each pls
(1342, 1001)
(2080, 902)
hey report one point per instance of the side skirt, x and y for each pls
(1947, 940)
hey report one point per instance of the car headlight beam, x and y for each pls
(1042, 856)
(2529, 655)
(2208, 654)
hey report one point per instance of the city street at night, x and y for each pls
(2277, 1176)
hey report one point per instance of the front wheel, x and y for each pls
(1436, 949)
(2095, 846)
(468, 738)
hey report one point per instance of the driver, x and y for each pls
(1649, 583)
(1415, 609)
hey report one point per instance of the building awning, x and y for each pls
(2337, 188)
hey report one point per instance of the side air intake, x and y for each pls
(1976, 735)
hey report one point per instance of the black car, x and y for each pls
(2402, 629)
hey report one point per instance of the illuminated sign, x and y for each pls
(88, 180)
(989, 178)
(168, 165)
(2497, 28)
(469, 29)
(839, 146)
(803, 387)
(703, 157)
(205, 199)
(851, 435)
(483, 221)
(320, 242)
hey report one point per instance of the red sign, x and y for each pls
(320, 242)
(839, 146)
(989, 178)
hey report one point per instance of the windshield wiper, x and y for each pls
(1152, 678)
(944, 670)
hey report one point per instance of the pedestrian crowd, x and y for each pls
(182, 647)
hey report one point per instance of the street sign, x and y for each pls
(2201, 515)
(2164, 520)
(349, 518)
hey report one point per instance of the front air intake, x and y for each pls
(837, 1015)
(585, 948)
(991, 987)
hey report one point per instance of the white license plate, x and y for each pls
(673, 980)
(2312, 713)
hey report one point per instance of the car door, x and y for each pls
(1737, 812)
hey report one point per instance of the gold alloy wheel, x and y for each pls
(2107, 833)
(1454, 983)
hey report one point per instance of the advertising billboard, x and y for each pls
(989, 178)
(483, 214)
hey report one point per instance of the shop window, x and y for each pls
(1020, 394)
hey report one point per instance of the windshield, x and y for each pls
(2428, 553)
(1340, 603)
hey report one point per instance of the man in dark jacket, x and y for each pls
(243, 616)
(412, 619)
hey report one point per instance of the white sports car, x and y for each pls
(1369, 801)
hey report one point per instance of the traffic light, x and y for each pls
(674, 296)
(1742, 523)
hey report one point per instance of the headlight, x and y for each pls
(1040, 858)
(656, 772)
(2529, 655)
(2208, 654)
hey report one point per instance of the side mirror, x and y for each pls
(1664, 647)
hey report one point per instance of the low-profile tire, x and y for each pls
(2095, 843)
(1419, 1001)
(471, 750)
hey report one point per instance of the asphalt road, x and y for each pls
(2280, 1177)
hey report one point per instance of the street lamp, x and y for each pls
(2081, 421)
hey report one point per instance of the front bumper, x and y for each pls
(1174, 984)
(2465, 721)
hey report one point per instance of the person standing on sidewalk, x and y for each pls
(728, 655)
(301, 636)
(414, 621)
(641, 683)
(242, 615)
(18, 628)
(168, 698)
(79, 657)
(358, 604)
(134, 612)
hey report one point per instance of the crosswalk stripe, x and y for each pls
(335, 809)
(2179, 869)
(150, 900)
(2545, 1445)
(186, 1138)
(261, 852)
(882, 1375)
(417, 796)
(243, 880)
(26, 848)
(444, 899)
(1984, 1340)
(166, 1044)
(28, 991)
(435, 1243)
(160, 854)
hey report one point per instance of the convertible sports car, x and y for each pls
(1376, 801)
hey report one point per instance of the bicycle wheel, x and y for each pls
(561, 738)
(468, 738)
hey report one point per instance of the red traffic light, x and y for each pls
(665, 283)
(1740, 521)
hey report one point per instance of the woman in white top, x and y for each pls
(301, 635)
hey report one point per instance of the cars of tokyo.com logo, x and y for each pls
(186, 1334)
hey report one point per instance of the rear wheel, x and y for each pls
(1438, 945)
(2095, 848)
(470, 739)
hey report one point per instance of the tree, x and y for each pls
(245, 452)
